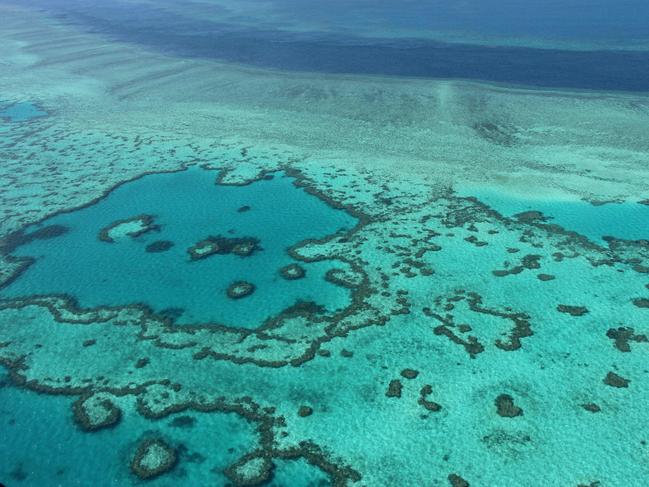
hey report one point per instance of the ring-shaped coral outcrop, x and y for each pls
(152, 458)
(220, 245)
(132, 227)
(240, 289)
(292, 272)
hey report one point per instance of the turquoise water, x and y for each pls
(628, 220)
(20, 111)
(435, 343)
(188, 207)
(47, 448)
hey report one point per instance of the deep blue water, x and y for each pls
(189, 207)
(336, 49)
(585, 20)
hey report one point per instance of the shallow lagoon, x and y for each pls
(188, 207)
(54, 451)
(627, 220)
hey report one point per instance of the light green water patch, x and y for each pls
(178, 242)
(20, 111)
(627, 220)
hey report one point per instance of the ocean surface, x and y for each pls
(337, 48)
(297, 243)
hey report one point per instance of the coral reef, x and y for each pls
(132, 227)
(153, 458)
(219, 245)
(292, 272)
(240, 289)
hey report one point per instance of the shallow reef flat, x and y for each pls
(405, 326)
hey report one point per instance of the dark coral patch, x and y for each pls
(506, 408)
(457, 481)
(623, 336)
(153, 458)
(545, 277)
(14, 240)
(521, 329)
(591, 407)
(306, 308)
(472, 346)
(530, 216)
(472, 239)
(641, 302)
(305, 411)
(243, 247)
(409, 373)
(614, 380)
(530, 261)
(171, 314)
(159, 246)
(394, 388)
(572, 310)
(292, 272)
(246, 247)
(240, 289)
(432, 406)
(143, 362)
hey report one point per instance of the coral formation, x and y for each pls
(219, 245)
(152, 458)
(132, 227)
(292, 272)
(240, 289)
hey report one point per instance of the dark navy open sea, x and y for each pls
(588, 26)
